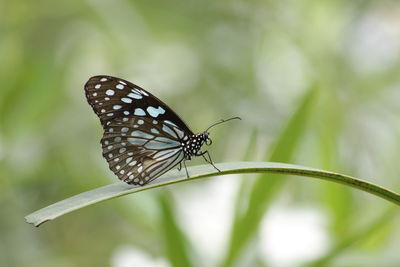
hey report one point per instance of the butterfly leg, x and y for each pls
(180, 166)
(209, 160)
(184, 164)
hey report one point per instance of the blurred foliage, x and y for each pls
(208, 60)
(267, 186)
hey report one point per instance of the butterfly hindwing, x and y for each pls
(138, 156)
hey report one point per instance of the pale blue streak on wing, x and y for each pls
(137, 141)
(161, 167)
(161, 143)
(164, 154)
(169, 131)
(142, 134)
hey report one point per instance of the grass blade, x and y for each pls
(197, 172)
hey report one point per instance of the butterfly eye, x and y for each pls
(208, 141)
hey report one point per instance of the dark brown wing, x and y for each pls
(112, 98)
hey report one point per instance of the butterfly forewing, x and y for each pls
(111, 98)
(142, 135)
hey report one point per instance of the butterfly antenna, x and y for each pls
(222, 121)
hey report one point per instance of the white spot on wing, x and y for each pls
(155, 131)
(126, 100)
(154, 112)
(143, 92)
(132, 95)
(136, 91)
(139, 112)
(97, 86)
(117, 107)
(119, 86)
(103, 79)
(110, 92)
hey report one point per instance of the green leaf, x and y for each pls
(176, 244)
(263, 190)
(197, 172)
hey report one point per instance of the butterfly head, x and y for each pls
(206, 138)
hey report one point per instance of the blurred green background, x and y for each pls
(316, 83)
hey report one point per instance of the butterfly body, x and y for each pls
(143, 138)
(192, 146)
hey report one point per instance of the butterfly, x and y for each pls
(143, 138)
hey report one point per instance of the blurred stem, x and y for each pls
(266, 187)
(175, 239)
(359, 236)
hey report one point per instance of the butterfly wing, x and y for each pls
(112, 97)
(138, 156)
(142, 135)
